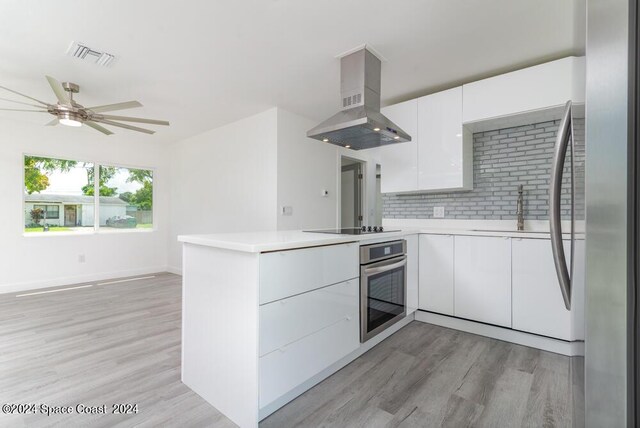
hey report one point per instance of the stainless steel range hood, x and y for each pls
(359, 125)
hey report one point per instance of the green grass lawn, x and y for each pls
(51, 229)
(67, 229)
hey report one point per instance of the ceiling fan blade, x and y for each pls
(117, 106)
(133, 119)
(23, 95)
(125, 126)
(20, 102)
(54, 122)
(61, 94)
(19, 109)
(97, 127)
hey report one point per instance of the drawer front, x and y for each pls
(287, 273)
(288, 320)
(288, 367)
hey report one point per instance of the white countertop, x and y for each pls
(259, 242)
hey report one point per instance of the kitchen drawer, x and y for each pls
(288, 320)
(284, 369)
(287, 273)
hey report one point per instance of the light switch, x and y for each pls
(438, 212)
(287, 210)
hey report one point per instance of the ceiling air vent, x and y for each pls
(84, 52)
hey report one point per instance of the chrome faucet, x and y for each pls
(520, 209)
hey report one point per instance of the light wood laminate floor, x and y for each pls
(120, 343)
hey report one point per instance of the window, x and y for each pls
(126, 198)
(50, 212)
(59, 196)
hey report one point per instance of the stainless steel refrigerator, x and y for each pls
(611, 214)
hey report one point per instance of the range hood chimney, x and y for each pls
(359, 125)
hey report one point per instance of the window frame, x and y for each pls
(96, 229)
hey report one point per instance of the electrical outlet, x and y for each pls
(81, 258)
(438, 212)
(287, 210)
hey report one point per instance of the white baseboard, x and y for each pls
(508, 335)
(175, 270)
(78, 279)
(364, 347)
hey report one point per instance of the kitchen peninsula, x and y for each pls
(268, 315)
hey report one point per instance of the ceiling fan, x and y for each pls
(68, 112)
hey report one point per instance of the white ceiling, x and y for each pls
(204, 63)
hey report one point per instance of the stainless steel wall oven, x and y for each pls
(383, 286)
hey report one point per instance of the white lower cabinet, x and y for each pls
(436, 273)
(288, 320)
(286, 273)
(538, 306)
(413, 258)
(482, 282)
(292, 364)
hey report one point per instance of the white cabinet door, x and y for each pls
(482, 279)
(412, 273)
(543, 86)
(399, 162)
(444, 154)
(436, 273)
(577, 292)
(538, 306)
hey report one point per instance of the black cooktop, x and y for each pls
(364, 230)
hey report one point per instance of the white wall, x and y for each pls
(306, 167)
(230, 179)
(224, 180)
(36, 261)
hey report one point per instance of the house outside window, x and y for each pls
(59, 196)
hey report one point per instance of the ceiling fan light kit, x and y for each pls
(69, 119)
(69, 113)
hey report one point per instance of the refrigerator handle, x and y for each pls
(555, 188)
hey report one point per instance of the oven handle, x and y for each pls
(385, 266)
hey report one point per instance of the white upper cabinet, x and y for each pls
(534, 88)
(444, 154)
(441, 125)
(439, 156)
(400, 161)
